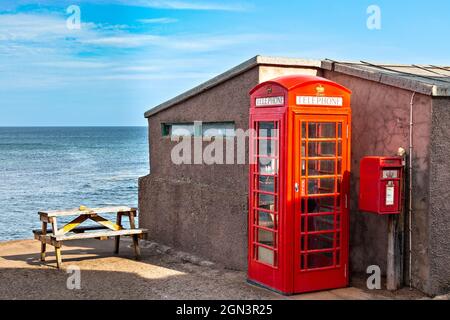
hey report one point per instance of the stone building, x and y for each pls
(202, 208)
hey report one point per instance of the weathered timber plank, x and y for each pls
(51, 240)
(43, 244)
(76, 230)
(394, 274)
(73, 224)
(117, 239)
(91, 235)
(76, 211)
(58, 255)
(106, 223)
(43, 217)
(47, 239)
(137, 250)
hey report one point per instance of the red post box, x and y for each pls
(380, 185)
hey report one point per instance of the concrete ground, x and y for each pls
(162, 273)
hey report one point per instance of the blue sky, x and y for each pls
(130, 55)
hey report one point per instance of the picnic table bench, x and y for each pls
(73, 231)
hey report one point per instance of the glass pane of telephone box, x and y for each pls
(266, 238)
(322, 149)
(321, 130)
(268, 148)
(267, 130)
(321, 186)
(267, 183)
(320, 260)
(265, 255)
(267, 220)
(267, 202)
(321, 241)
(323, 205)
(268, 166)
(318, 223)
(321, 167)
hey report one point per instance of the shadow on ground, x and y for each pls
(158, 275)
(108, 276)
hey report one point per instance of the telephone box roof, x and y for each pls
(294, 81)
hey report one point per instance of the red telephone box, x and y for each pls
(299, 184)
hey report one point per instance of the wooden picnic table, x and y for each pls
(72, 230)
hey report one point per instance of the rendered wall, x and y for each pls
(380, 127)
(439, 220)
(267, 73)
(201, 209)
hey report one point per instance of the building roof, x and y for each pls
(425, 79)
(294, 81)
(247, 65)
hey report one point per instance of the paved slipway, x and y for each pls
(162, 273)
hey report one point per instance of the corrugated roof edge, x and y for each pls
(411, 83)
(234, 72)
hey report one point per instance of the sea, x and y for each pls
(47, 168)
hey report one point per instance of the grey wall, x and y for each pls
(439, 227)
(380, 126)
(200, 209)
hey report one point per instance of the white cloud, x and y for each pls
(138, 68)
(114, 27)
(23, 27)
(155, 76)
(190, 43)
(74, 64)
(43, 32)
(38, 51)
(158, 21)
(123, 41)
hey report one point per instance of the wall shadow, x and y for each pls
(155, 277)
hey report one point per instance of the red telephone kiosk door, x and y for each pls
(298, 211)
(321, 201)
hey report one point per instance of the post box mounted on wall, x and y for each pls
(381, 180)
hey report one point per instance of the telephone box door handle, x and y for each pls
(296, 187)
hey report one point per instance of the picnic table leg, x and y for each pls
(57, 244)
(117, 239)
(43, 243)
(58, 255)
(137, 250)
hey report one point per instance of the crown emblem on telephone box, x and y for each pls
(320, 90)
